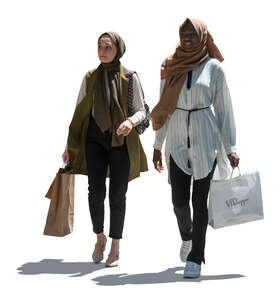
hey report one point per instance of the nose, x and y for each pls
(101, 51)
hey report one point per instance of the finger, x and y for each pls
(125, 127)
(120, 131)
(121, 128)
(158, 168)
(156, 165)
(125, 132)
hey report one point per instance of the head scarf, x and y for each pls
(174, 69)
(120, 45)
(108, 113)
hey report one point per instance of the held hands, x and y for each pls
(157, 160)
(65, 156)
(125, 128)
(234, 160)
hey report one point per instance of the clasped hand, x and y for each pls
(125, 128)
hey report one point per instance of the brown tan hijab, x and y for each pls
(174, 70)
(108, 113)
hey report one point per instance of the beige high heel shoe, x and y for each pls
(113, 260)
(97, 255)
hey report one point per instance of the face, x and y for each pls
(189, 37)
(106, 49)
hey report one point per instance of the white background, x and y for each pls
(46, 48)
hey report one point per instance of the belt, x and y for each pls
(190, 111)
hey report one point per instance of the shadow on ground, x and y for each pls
(78, 269)
(167, 276)
(57, 266)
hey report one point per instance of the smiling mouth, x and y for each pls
(187, 44)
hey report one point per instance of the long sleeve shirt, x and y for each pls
(139, 112)
(211, 134)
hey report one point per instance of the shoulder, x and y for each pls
(166, 60)
(89, 77)
(215, 67)
(90, 73)
(165, 63)
(131, 74)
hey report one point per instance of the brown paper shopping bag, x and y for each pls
(61, 210)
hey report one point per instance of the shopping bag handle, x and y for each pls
(233, 170)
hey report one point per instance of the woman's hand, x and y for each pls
(234, 159)
(157, 160)
(65, 157)
(125, 128)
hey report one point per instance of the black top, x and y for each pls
(94, 134)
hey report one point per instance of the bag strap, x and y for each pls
(129, 74)
(233, 170)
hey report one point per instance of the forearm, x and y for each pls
(139, 112)
(160, 135)
(224, 115)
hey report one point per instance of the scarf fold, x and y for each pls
(108, 113)
(174, 70)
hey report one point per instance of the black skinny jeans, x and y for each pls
(191, 230)
(98, 160)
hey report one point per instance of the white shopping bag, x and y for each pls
(236, 200)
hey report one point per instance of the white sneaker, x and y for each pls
(192, 270)
(186, 248)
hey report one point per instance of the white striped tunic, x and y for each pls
(212, 134)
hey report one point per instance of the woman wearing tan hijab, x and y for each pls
(193, 81)
(102, 140)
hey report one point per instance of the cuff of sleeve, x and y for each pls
(157, 145)
(230, 149)
(133, 121)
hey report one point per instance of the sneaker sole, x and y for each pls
(192, 276)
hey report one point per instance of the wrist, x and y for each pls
(130, 121)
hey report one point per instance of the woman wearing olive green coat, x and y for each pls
(102, 140)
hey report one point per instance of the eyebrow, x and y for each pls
(188, 32)
(107, 44)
